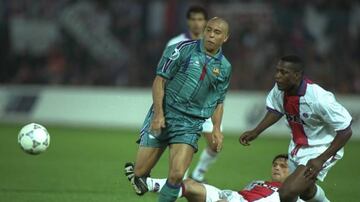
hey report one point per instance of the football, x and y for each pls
(33, 138)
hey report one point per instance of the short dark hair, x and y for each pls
(280, 156)
(196, 9)
(296, 61)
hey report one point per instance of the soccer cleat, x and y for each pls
(138, 183)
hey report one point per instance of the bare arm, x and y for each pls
(158, 120)
(216, 119)
(158, 94)
(315, 165)
(217, 116)
(269, 119)
(339, 142)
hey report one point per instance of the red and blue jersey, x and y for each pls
(259, 189)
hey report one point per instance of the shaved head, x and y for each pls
(223, 23)
(215, 34)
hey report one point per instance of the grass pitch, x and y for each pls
(85, 165)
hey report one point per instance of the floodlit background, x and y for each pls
(84, 70)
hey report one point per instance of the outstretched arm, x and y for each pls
(269, 119)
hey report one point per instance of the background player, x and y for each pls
(180, 108)
(196, 21)
(319, 125)
(257, 190)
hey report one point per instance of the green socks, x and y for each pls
(169, 192)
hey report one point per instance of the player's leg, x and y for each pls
(198, 192)
(146, 159)
(149, 152)
(296, 184)
(194, 191)
(208, 156)
(316, 193)
(313, 192)
(190, 189)
(179, 160)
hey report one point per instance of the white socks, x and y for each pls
(207, 158)
(319, 195)
(155, 185)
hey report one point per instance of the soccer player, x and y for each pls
(190, 86)
(319, 125)
(196, 21)
(258, 190)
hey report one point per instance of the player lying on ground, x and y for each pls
(259, 190)
(319, 125)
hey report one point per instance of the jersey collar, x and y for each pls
(302, 88)
(187, 35)
(201, 48)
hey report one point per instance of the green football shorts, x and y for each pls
(180, 129)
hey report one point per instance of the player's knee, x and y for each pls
(287, 193)
(309, 193)
(176, 175)
(189, 186)
(194, 191)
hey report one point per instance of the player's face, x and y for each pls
(196, 23)
(215, 34)
(279, 170)
(286, 78)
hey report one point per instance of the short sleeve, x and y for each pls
(169, 62)
(274, 101)
(333, 112)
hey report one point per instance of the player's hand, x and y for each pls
(313, 167)
(157, 123)
(247, 137)
(217, 138)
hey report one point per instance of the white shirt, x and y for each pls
(178, 38)
(319, 116)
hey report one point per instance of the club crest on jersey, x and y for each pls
(216, 71)
(175, 55)
(306, 115)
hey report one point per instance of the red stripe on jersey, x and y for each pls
(203, 73)
(260, 190)
(308, 81)
(291, 106)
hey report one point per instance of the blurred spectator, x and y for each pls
(110, 42)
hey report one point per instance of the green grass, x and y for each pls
(85, 165)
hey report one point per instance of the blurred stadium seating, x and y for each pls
(118, 43)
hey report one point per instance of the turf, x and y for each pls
(85, 165)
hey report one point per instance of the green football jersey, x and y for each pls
(196, 82)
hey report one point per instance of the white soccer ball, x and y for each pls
(34, 138)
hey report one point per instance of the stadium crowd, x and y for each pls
(118, 43)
